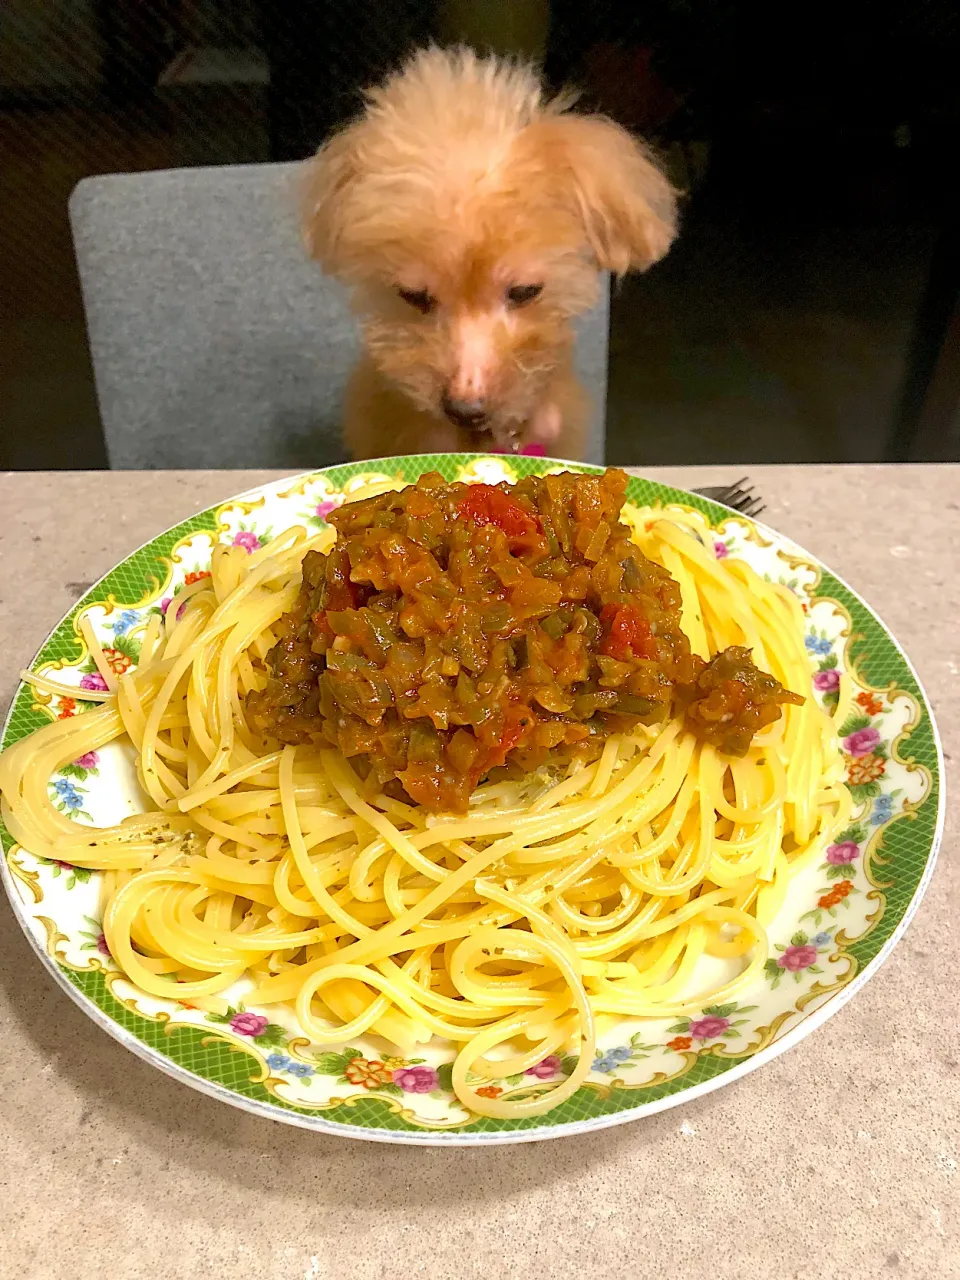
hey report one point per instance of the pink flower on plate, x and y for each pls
(708, 1027)
(545, 1069)
(416, 1079)
(249, 541)
(329, 504)
(92, 680)
(720, 549)
(89, 760)
(165, 604)
(827, 681)
(838, 855)
(102, 945)
(798, 957)
(248, 1024)
(862, 742)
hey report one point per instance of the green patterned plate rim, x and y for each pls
(839, 922)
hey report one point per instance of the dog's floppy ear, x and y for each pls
(330, 176)
(626, 204)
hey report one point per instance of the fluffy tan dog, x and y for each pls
(470, 218)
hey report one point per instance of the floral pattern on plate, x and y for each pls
(799, 957)
(717, 1020)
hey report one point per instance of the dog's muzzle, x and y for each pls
(471, 414)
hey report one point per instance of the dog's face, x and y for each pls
(470, 221)
(471, 315)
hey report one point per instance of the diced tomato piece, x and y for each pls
(517, 724)
(485, 504)
(321, 625)
(629, 634)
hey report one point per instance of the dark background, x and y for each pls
(804, 314)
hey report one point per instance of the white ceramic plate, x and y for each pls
(838, 923)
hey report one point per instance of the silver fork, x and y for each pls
(741, 496)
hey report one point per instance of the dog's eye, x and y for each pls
(519, 295)
(419, 298)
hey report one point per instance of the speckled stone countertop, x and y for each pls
(838, 1159)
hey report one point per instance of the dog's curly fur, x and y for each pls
(460, 182)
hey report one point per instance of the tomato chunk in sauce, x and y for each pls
(486, 504)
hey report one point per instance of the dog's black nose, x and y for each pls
(465, 413)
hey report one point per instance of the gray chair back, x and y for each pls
(215, 341)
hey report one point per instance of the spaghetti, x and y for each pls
(577, 892)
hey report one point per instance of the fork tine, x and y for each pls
(743, 497)
(740, 496)
(736, 491)
(745, 490)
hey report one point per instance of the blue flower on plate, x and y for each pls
(605, 1063)
(277, 1061)
(820, 939)
(125, 621)
(620, 1054)
(300, 1069)
(818, 644)
(68, 793)
(882, 810)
